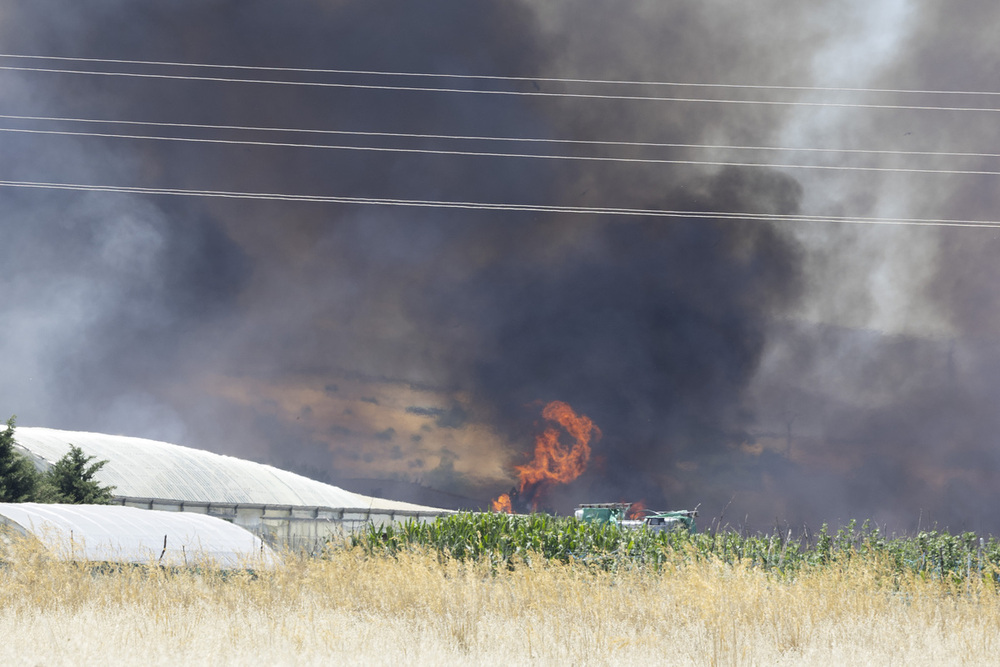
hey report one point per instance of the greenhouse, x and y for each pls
(107, 533)
(276, 505)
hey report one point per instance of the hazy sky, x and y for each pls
(794, 371)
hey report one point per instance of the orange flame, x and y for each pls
(637, 510)
(555, 462)
(502, 504)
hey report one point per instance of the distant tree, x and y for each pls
(71, 480)
(19, 480)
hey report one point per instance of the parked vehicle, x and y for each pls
(617, 514)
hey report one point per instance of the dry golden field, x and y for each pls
(352, 608)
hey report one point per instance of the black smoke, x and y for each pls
(652, 329)
(805, 373)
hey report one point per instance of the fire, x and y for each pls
(554, 462)
(502, 504)
(637, 510)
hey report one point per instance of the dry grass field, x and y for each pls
(355, 608)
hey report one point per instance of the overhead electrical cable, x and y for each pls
(459, 137)
(521, 93)
(576, 210)
(536, 208)
(534, 156)
(488, 77)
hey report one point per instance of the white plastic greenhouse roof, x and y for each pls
(140, 468)
(110, 533)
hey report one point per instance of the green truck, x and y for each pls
(617, 513)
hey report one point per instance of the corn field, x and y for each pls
(501, 539)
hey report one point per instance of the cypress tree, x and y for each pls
(71, 480)
(19, 481)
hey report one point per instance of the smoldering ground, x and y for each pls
(809, 374)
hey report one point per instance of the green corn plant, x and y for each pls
(502, 539)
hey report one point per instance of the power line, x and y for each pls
(520, 93)
(459, 137)
(486, 77)
(535, 156)
(531, 208)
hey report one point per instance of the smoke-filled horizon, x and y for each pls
(778, 371)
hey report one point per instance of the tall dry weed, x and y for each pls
(418, 608)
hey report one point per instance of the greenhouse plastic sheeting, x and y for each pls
(140, 468)
(109, 533)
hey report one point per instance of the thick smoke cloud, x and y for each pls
(652, 330)
(806, 373)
